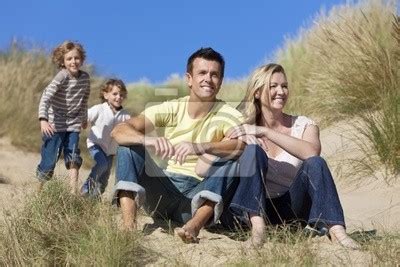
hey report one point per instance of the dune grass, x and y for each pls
(345, 66)
(288, 246)
(348, 65)
(57, 228)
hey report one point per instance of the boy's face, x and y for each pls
(115, 97)
(73, 61)
(205, 80)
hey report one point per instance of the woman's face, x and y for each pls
(278, 93)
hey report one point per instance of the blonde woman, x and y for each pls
(287, 180)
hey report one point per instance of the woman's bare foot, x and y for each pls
(338, 235)
(257, 238)
(187, 234)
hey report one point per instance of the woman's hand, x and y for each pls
(247, 129)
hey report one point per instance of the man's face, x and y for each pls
(205, 80)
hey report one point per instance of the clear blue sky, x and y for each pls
(152, 39)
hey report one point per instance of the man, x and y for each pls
(193, 126)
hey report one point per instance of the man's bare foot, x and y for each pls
(186, 234)
(129, 227)
(338, 235)
(189, 232)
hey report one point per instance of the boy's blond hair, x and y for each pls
(59, 52)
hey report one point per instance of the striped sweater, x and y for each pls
(64, 101)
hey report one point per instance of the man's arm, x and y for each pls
(226, 149)
(222, 149)
(229, 148)
(132, 131)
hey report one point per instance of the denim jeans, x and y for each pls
(170, 195)
(66, 142)
(312, 198)
(96, 183)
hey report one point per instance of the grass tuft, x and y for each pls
(57, 228)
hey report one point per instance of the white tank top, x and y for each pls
(283, 168)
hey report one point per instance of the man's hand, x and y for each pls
(252, 140)
(162, 146)
(183, 149)
(46, 128)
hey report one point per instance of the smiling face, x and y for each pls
(115, 98)
(73, 61)
(276, 97)
(204, 80)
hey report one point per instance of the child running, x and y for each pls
(63, 112)
(102, 118)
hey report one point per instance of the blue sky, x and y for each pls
(133, 40)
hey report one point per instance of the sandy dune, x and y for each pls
(374, 205)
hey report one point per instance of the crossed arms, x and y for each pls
(133, 132)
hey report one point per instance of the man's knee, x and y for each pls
(123, 151)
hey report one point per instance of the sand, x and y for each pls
(370, 205)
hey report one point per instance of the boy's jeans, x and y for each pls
(97, 181)
(66, 142)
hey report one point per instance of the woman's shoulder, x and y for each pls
(300, 123)
(302, 120)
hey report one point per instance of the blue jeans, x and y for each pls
(66, 142)
(96, 183)
(170, 195)
(311, 199)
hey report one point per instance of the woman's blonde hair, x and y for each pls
(109, 84)
(60, 51)
(259, 80)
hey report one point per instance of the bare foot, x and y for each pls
(187, 235)
(257, 232)
(338, 235)
(40, 186)
(129, 227)
(257, 238)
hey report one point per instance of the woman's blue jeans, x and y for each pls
(170, 195)
(312, 198)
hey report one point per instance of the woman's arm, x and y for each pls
(308, 146)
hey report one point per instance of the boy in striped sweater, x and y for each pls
(63, 113)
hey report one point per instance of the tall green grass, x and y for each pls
(57, 228)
